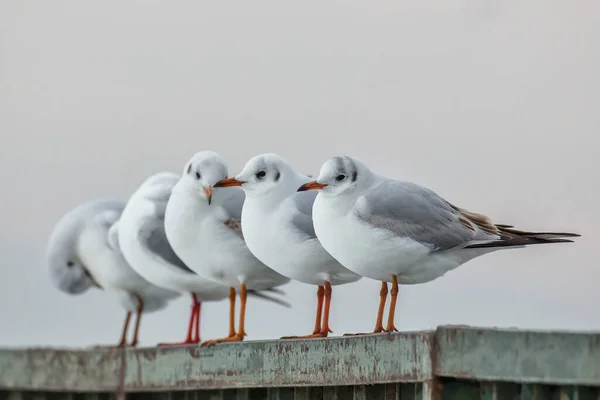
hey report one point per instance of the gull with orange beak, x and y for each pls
(400, 232)
(144, 244)
(278, 229)
(202, 223)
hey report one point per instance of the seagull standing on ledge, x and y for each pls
(144, 244)
(203, 226)
(400, 232)
(278, 228)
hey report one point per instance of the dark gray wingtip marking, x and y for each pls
(260, 294)
(513, 237)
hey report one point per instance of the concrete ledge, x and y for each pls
(510, 355)
(468, 353)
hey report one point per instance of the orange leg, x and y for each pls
(321, 331)
(317, 330)
(123, 341)
(233, 337)
(379, 323)
(139, 311)
(394, 292)
(192, 321)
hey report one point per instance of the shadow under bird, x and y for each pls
(144, 244)
(83, 252)
(400, 232)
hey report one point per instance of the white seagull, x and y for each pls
(145, 246)
(278, 229)
(400, 232)
(83, 252)
(203, 227)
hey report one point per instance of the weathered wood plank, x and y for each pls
(558, 358)
(336, 361)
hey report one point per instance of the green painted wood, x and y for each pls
(518, 356)
(500, 391)
(317, 362)
(450, 363)
(301, 393)
(67, 370)
(456, 390)
(536, 392)
(411, 391)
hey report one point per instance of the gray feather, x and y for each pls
(302, 217)
(233, 202)
(412, 211)
(152, 235)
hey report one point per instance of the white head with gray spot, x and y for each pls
(265, 174)
(340, 175)
(200, 174)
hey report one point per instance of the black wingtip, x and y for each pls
(262, 295)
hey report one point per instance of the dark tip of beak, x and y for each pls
(208, 193)
(312, 185)
(228, 182)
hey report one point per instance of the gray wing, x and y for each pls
(302, 213)
(409, 210)
(233, 202)
(152, 235)
(233, 206)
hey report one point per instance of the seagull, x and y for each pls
(278, 229)
(400, 232)
(83, 252)
(203, 227)
(144, 244)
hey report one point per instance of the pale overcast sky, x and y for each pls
(493, 104)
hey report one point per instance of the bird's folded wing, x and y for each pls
(411, 211)
(301, 208)
(152, 234)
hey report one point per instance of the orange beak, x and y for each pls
(312, 185)
(228, 182)
(208, 193)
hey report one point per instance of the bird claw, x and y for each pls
(212, 342)
(315, 335)
(375, 332)
(184, 343)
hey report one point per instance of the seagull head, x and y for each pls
(202, 172)
(265, 174)
(338, 175)
(67, 271)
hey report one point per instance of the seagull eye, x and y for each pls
(261, 174)
(197, 175)
(340, 177)
(70, 263)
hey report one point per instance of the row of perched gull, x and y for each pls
(211, 236)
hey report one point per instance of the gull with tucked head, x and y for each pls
(202, 224)
(400, 232)
(278, 229)
(83, 251)
(145, 246)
